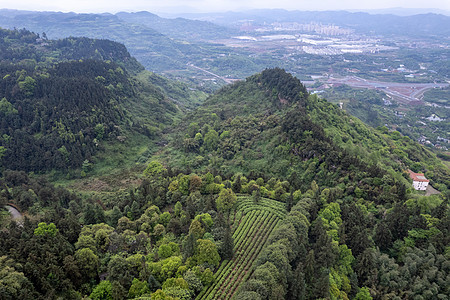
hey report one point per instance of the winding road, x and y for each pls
(16, 215)
(405, 92)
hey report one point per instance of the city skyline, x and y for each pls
(180, 6)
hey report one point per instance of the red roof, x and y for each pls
(417, 176)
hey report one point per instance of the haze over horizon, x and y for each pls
(205, 6)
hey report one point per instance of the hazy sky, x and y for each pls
(214, 5)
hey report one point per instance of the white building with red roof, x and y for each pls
(420, 182)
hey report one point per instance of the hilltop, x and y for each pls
(269, 124)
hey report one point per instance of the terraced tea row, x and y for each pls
(252, 223)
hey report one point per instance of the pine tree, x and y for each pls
(189, 246)
(227, 249)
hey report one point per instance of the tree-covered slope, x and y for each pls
(178, 28)
(154, 50)
(306, 202)
(62, 100)
(268, 125)
(354, 218)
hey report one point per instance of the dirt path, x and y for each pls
(431, 191)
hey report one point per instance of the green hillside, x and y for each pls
(261, 192)
(269, 126)
(64, 100)
(157, 52)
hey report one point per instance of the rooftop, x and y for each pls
(417, 176)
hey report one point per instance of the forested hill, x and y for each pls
(263, 192)
(61, 99)
(268, 125)
(154, 50)
(367, 224)
(26, 47)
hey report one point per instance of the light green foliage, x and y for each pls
(164, 218)
(178, 288)
(363, 294)
(45, 229)
(424, 203)
(168, 250)
(178, 208)
(99, 131)
(193, 128)
(2, 152)
(331, 217)
(160, 295)
(169, 266)
(196, 228)
(194, 282)
(138, 288)
(175, 282)
(103, 291)
(226, 200)
(87, 262)
(86, 241)
(183, 185)
(13, 284)
(199, 138)
(64, 153)
(346, 260)
(159, 230)
(205, 219)
(154, 170)
(211, 140)
(206, 253)
(6, 107)
(27, 86)
(207, 276)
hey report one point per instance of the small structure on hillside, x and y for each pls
(420, 182)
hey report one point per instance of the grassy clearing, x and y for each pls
(116, 166)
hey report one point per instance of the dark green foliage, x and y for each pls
(226, 250)
(61, 102)
(283, 86)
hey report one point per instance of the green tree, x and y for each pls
(211, 140)
(189, 245)
(154, 170)
(363, 294)
(169, 266)
(257, 195)
(206, 253)
(194, 282)
(227, 246)
(99, 131)
(13, 284)
(86, 241)
(6, 107)
(138, 288)
(226, 200)
(46, 229)
(103, 291)
(87, 262)
(119, 271)
(116, 214)
(27, 86)
(160, 295)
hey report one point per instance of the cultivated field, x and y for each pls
(252, 224)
